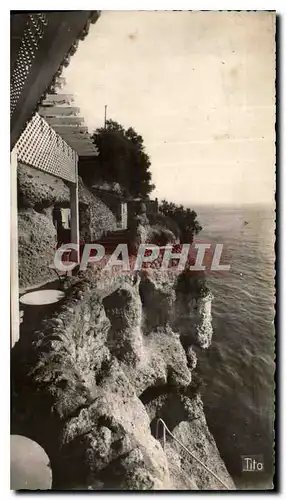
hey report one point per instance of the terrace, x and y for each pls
(47, 131)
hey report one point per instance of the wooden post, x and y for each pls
(14, 275)
(74, 216)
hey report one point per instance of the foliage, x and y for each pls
(122, 158)
(185, 218)
(159, 219)
(160, 235)
(194, 283)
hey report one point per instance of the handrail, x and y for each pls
(165, 428)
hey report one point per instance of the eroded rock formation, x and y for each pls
(91, 382)
(38, 193)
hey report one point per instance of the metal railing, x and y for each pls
(165, 428)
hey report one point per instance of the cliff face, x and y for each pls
(37, 237)
(91, 382)
(38, 192)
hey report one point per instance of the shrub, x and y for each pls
(185, 219)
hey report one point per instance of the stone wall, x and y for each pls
(110, 199)
(39, 190)
(95, 216)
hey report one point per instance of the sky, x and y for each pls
(198, 86)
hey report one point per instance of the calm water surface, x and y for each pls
(238, 369)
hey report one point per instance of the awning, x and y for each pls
(41, 46)
(60, 113)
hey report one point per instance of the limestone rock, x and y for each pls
(36, 247)
(192, 358)
(194, 319)
(160, 235)
(90, 383)
(196, 437)
(95, 217)
(123, 308)
(158, 298)
(38, 190)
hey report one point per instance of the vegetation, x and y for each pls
(164, 222)
(122, 158)
(193, 283)
(123, 161)
(185, 219)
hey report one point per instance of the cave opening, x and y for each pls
(162, 401)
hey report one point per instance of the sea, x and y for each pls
(237, 371)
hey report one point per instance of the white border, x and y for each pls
(149, 5)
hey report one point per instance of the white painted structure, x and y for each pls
(64, 118)
(123, 215)
(14, 277)
(53, 141)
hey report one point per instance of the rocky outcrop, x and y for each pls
(37, 237)
(192, 313)
(38, 193)
(193, 432)
(123, 307)
(37, 242)
(95, 216)
(71, 396)
(160, 235)
(90, 383)
(148, 359)
(38, 190)
(158, 298)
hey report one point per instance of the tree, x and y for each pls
(122, 158)
(185, 218)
